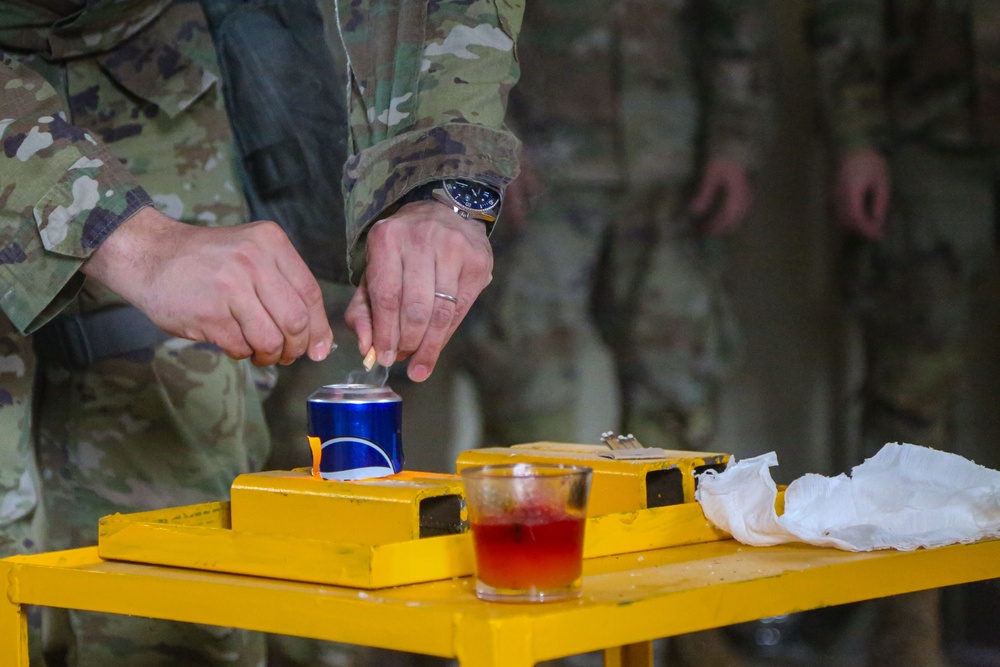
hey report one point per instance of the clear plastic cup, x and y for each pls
(527, 525)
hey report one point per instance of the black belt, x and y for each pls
(76, 341)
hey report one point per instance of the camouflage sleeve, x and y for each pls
(428, 86)
(848, 42)
(738, 39)
(62, 196)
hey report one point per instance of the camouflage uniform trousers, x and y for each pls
(913, 291)
(634, 264)
(163, 427)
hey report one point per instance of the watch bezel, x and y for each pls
(449, 183)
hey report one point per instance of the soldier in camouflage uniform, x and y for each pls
(173, 421)
(288, 149)
(910, 91)
(168, 422)
(643, 121)
(421, 111)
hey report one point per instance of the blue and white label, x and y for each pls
(349, 458)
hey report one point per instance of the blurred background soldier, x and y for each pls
(642, 123)
(910, 91)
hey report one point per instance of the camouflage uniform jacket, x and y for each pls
(427, 93)
(63, 194)
(897, 70)
(640, 89)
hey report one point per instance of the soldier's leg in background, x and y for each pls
(668, 321)
(522, 340)
(20, 510)
(165, 426)
(914, 290)
(666, 317)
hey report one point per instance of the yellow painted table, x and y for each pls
(627, 600)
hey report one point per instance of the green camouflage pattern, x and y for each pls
(916, 82)
(891, 72)
(64, 194)
(160, 427)
(659, 303)
(915, 289)
(427, 103)
(616, 123)
(617, 97)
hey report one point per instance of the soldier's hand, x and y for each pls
(861, 192)
(243, 288)
(422, 249)
(724, 196)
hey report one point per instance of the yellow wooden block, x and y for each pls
(618, 485)
(406, 506)
(201, 537)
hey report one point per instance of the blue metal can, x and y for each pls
(355, 431)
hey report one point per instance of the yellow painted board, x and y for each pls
(370, 511)
(200, 537)
(627, 599)
(618, 485)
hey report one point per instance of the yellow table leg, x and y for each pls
(495, 643)
(13, 622)
(630, 655)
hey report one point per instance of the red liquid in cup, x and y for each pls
(528, 550)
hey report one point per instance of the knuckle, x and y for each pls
(386, 299)
(312, 294)
(441, 317)
(416, 313)
(268, 342)
(296, 322)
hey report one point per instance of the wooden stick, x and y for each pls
(369, 361)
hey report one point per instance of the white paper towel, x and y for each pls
(904, 497)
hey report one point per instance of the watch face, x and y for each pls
(473, 196)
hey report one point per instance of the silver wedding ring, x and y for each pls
(446, 297)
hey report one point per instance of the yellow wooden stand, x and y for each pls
(619, 485)
(627, 599)
(649, 572)
(406, 506)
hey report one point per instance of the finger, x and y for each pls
(854, 208)
(880, 210)
(229, 339)
(310, 329)
(419, 285)
(703, 198)
(358, 317)
(385, 291)
(289, 314)
(476, 274)
(440, 326)
(258, 329)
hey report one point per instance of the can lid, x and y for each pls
(354, 393)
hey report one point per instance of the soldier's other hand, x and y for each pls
(422, 249)
(724, 196)
(861, 192)
(243, 288)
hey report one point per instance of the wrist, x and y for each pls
(123, 262)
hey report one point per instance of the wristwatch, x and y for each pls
(471, 200)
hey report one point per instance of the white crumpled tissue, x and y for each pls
(903, 498)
